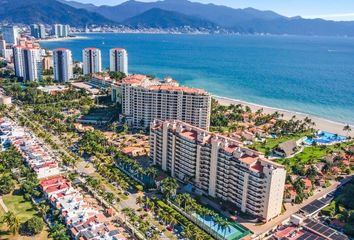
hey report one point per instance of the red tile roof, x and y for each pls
(177, 89)
(134, 79)
(52, 181)
(192, 135)
(57, 187)
(248, 159)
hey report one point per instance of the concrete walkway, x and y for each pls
(2, 204)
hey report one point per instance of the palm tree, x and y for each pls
(127, 212)
(189, 231)
(58, 232)
(43, 209)
(169, 187)
(12, 222)
(198, 235)
(348, 129)
(165, 218)
(151, 172)
(158, 212)
(149, 204)
(139, 200)
(179, 200)
(173, 222)
(225, 226)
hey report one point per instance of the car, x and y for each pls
(126, 193)
(169, 228)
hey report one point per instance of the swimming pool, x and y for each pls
(322, 137)
(234, 232)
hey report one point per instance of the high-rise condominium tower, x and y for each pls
(118, 60)
(63, 65)
(28, 63)
(92, 60)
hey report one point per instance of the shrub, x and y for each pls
(34, 225)
(139, 187)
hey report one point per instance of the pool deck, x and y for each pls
(235, 232)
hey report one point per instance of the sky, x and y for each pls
(338, 10)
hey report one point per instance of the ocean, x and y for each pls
(311, 75)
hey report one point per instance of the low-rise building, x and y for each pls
(287, 149)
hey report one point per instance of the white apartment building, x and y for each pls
(38, 31)
(144, 99)
(92, 62)
(10, 34)
(28, 63)
(118, 59)
(66, 30)
(60, 30)
(219, 167)
(63, 64)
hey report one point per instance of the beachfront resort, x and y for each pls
(130, 156)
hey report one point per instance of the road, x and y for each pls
(2, 204)
(291, 209)
(88, 168)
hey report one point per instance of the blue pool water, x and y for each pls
(325, 138)
(234, 232)
(312, 75)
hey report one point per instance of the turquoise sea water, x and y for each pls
(313, 75)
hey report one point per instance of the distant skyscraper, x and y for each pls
(34, 31)
(28, 64)
(57, 30)
(63, 65)
(66, 30)
(38, 31)
(10, 34)
(60, 30)
(118, 60)
(92, 60)
(41, 30)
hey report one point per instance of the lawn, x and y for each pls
(271, 143)
(24, 210)
(314, 153)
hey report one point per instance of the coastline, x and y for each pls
(62, 39)
(321, 123)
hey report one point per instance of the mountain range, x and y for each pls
(47, 11)
(169, 14)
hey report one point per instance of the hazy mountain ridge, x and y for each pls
(47, 11)
(181, 13)
(158, 18)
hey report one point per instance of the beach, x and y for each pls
(62, 39)
(257, 69)
(321, 124)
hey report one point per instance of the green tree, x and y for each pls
(34, 225)
(117, 75)
(139, 200)
(12, 222)
(58, 232)
(169, 187)
(6, 184)
(347, 129)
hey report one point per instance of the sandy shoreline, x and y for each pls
(321, 124)
(62, 39)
